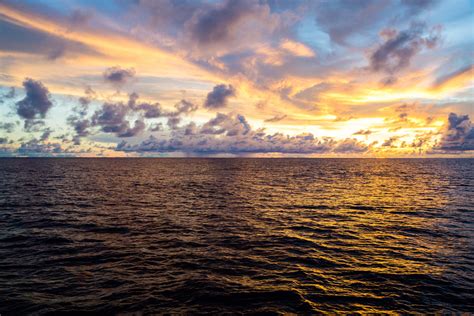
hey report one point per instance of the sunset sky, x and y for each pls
(237, 78)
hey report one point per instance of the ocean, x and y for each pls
(236, 236)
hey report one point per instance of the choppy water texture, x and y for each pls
(236, 235)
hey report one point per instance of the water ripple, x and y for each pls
(236, 236)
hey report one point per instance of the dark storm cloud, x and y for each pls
(218, 97)
(118, 76)
(15, 38)
(400, 47)
(459, 134)
(3, 140)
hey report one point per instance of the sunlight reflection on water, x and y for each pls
(236, 235)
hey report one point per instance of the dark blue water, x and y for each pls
(192, 236)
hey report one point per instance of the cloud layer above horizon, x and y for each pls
(369, 78)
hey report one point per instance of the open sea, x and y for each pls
(236, 236)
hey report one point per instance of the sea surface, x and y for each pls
(236, 236)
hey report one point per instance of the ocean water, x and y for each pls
(236, 236)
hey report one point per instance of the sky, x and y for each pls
(256, 78)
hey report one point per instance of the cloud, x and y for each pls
(111, 118)
(118, 76)
(154, 110)
(34, 106)
(10, 94)
(184, 107)
(149, 110)
(78, 120)
(363, 132)
(218, 24)
(79, 18)
(80, 126)
(265, 50)
(388, 81)
(35, 146)
(87, 99)
(350, 145)
(132, 131)
(417, 6)
(46, 133)
(297, 49)
(36, 102)
(156, 127)
(276, 118)
(466, 72)
(403, 117)
(363, 14)
(218, 30)
(312, 93)
(33, 125)
(16, 38)
(114, 117)
(227, 133)
(3, 140)
(459, 134)
(173, 122)
(219, 95)
(391, 141)
(399, 48)
(7, 127)
(224, 123)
